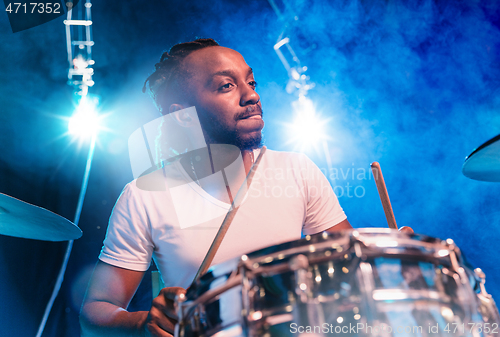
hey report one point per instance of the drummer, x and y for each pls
(288, 197)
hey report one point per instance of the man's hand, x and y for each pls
(109, 293)
(162, 316)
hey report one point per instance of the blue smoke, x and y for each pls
(413, 85)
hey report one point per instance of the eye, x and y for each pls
(253, 83)
(225, 87)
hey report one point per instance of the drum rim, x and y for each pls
(343, 237)
(323, 240)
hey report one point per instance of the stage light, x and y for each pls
(85, 121)
(307, 129)
(79, 63)
(77, 22)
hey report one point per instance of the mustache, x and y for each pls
(249, 111)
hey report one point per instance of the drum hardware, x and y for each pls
(321, 243)
(467, 296)
(179, 300)
(307, 310)
(459, 273)
(357, 250)
(487, 306)
(482, 280)
(454, 262)
(186, 308)
(300, 265)
(245, 291)
(367, 302)
(399, 294)
(374, 277)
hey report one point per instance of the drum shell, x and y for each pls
(367, 278)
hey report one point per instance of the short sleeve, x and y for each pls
(128, 241)
(323, 209)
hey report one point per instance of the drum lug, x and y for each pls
(487, 306)
(482, 280)
(179, 300)
(300, 265)
(454, 257)
(307, 310)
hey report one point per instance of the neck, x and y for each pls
(205, 162)
(248, 159)
(214, 158)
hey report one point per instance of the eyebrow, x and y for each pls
(228, 73)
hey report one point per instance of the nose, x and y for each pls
(249, 96)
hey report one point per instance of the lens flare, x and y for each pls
(85, 121)
(307, 129)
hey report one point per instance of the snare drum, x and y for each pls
(366, 282)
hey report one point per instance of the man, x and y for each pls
(290, 197)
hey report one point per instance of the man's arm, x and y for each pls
(104, 306)
(108, 295)
(344, 225)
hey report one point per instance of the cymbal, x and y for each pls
(23, 220)
(484, 162)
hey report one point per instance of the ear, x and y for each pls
(176, 107)
(183, 116)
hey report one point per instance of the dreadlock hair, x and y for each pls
(165, 83)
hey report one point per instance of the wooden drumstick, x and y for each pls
(228, 219)
(384, 196)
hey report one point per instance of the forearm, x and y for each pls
(106, 319)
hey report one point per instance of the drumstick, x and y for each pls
(228, 219)
(384, 196)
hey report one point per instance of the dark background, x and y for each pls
(411, 84)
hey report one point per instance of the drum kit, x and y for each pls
(368, 282)
(365, 282)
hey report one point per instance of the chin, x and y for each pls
(246, 141)
(250, 142)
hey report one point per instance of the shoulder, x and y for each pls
(157, 180)
(289, 159)
(292, 165)
(297, 164)
(144, 191)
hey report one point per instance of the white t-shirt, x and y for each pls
(176, 224)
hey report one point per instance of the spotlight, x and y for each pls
(85, 121)
(307, 129)
(79, 63)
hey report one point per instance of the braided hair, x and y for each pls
(165, 83)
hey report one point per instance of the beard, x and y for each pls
(218, 132)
